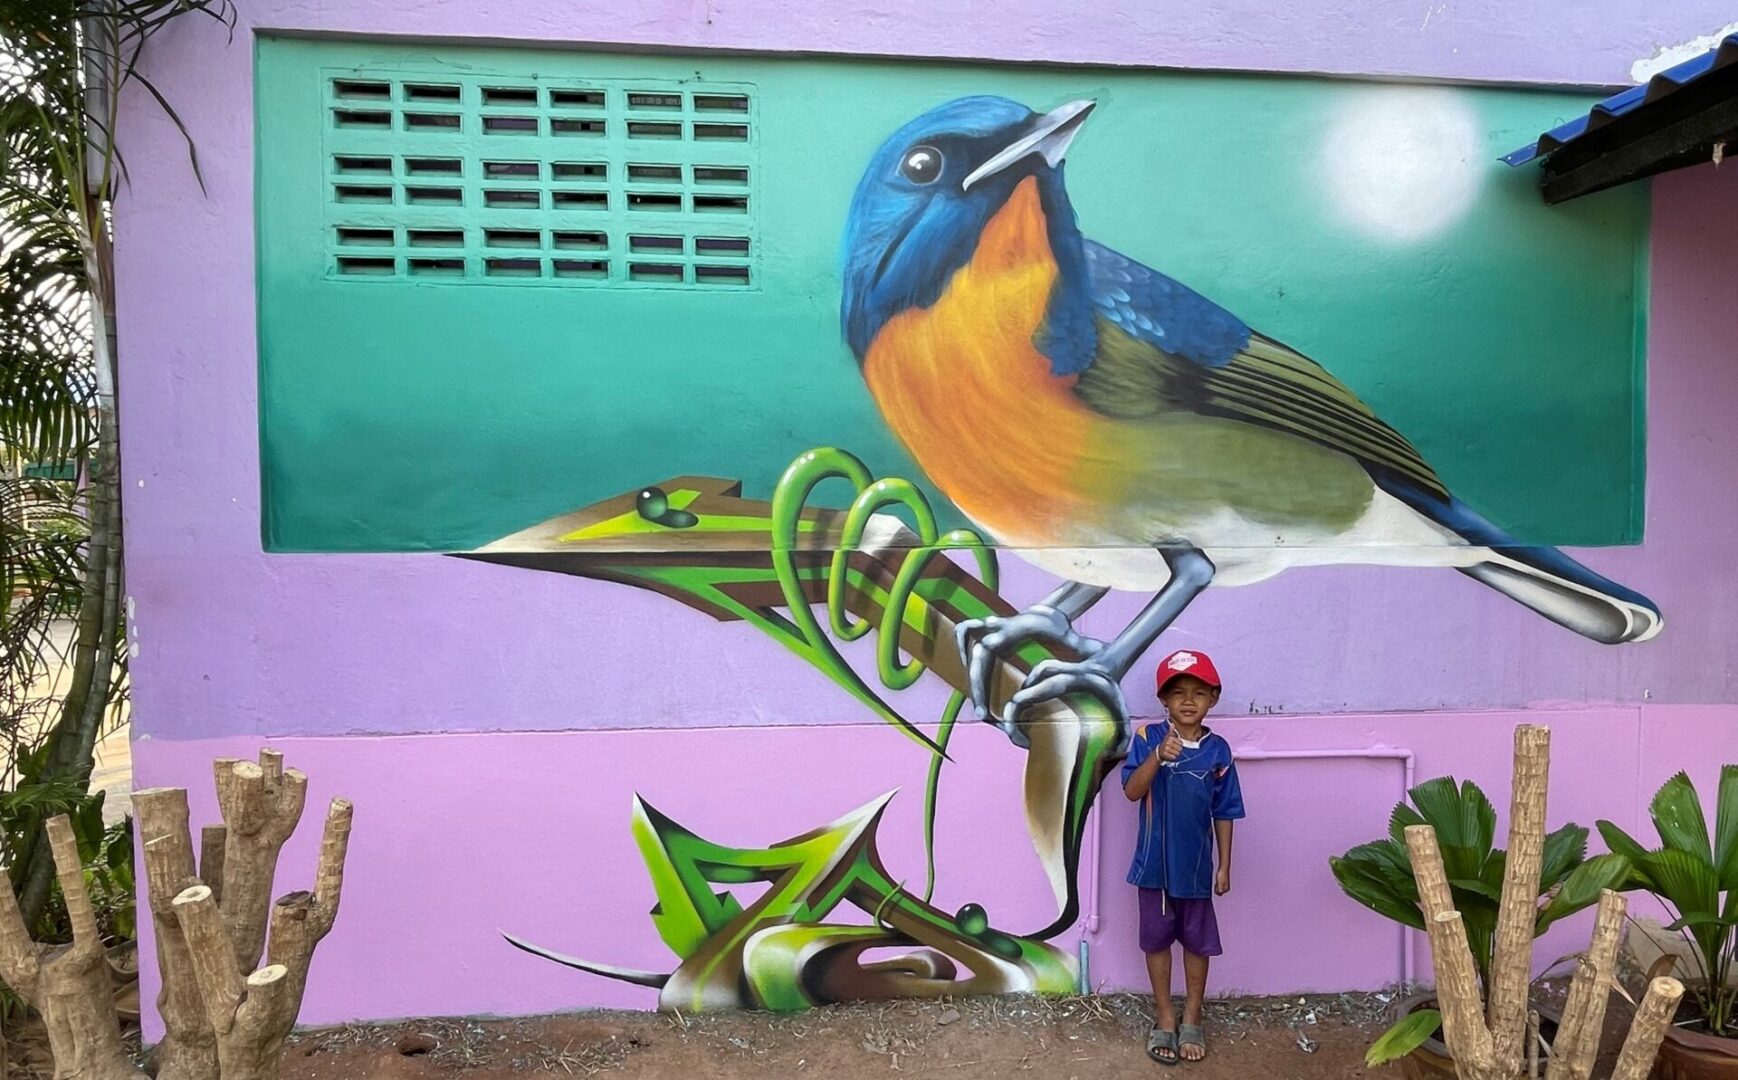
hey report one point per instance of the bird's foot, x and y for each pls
(1052, 679)
(981, 640)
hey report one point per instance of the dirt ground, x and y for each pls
(1313, 1038)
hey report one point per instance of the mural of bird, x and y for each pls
(1117, 428)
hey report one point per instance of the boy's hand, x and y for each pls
(1222, 881)
(1172, 748)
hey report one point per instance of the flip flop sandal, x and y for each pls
(1159, 1040)
(1191, 1035)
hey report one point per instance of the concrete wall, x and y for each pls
(411, 684)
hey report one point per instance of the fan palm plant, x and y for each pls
(1696, 877)
(63, 67)
(1379, 876)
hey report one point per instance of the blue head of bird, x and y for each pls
(930, 190)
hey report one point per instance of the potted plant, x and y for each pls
(1379, 876)
(1696, 878)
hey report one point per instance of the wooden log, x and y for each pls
(1652, 1018)
(261, 806)
(212, 838)
(251, 1016)
(68, 984)
(1577, 1044)
(301, 920)
(1457, 984)
(1518, 910)
(1457, 996)
(1434, 897)
(188, 1050)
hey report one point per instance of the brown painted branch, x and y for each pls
(1532, 1044)
(1512, 956)
(1652, 1018)
(188, 1050)
(261, 805)
(1578, 1035)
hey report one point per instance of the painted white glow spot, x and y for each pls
(1404, 163)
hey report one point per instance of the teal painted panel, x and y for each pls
(438, 407)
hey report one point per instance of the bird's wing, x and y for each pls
(1163, 347)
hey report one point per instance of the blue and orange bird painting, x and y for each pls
(1117, 428)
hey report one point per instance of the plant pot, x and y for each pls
(1431, 1061)
(1694, 1055)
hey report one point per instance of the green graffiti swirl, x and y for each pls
(870, 497)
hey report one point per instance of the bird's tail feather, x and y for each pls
(1569, 594)
(1542, 578)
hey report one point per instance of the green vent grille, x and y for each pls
(485, 179)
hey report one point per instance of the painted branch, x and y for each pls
(261, 805)
(188, 1050)
(212, 838)
(1457, 995)
(1584, 1012)
(301, 920)
(68, 984)
(1512, 956)
(1652, 1019)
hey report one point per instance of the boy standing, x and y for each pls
(1183, 777)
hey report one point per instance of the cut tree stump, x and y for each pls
(69, 985)
(300, 920)
(261, 805)
(250, 1015)
(188, 1050)
(1501, 1043)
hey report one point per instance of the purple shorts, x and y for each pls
(1190, 923)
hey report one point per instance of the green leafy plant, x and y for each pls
(1696, 877)
(1379, 876)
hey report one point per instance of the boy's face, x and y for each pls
(1188, 700)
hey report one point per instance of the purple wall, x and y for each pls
(529, 831)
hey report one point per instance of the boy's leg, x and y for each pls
(1159, 971)
(1198, 934)
(1194, 990)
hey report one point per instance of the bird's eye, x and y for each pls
(922, 164)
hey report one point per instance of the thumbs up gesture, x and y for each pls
(1172, 748)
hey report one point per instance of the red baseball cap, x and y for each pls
(1187, 662)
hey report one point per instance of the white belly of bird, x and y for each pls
(1389, 533)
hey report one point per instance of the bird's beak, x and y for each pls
(1050, 137)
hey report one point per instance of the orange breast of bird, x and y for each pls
(965, 389)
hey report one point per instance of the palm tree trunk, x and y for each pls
(87, 698)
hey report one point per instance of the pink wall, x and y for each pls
(459, 834)
(459, 837)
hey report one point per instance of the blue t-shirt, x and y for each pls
(1174, 850)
